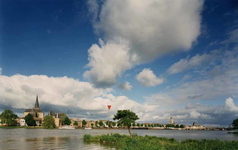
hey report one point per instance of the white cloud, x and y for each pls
(230, 106)
(64, 94)
(186, 64)
(125, 86)
(107, 63)
(150, 28)
(0, 71)
(147, 78)
(194, 114)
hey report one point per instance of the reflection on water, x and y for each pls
(73, 139)
(52, 143)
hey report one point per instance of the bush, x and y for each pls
(49, 122)
(155, 143)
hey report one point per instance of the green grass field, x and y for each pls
(159, 143)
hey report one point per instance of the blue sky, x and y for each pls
(89, 42)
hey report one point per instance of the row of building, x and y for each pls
(38, 116)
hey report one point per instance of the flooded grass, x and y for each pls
(156, 143)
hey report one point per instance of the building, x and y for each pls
(22, 121)
(171, 120)
(56, 117)
(36, 112)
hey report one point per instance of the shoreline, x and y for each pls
(41, 127)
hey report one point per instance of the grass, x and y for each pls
(233, 132)
(159, 143)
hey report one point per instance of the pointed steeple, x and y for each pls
(37, 103)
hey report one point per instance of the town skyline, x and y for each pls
(159, 60)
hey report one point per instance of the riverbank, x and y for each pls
(153, 142)
(24, 127)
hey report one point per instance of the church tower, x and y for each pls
(37, 103)
(171, 120)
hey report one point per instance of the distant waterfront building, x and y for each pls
(56, 117)
(171, 120)
(36, 112)
(22, 121)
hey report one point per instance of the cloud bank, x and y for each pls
(149, 29)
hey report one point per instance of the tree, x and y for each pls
(181, 126)
(126, 117)
(92, 124)
(84, 122)
(138, 124)
(9, 117)
(177, 126)
(113, 124)
(76, 123)
(49, 122)
(152, 125)
(96, 123)
(30, 120)
(119, 124)
(141, 125)
(67, 121)
(134, 124)
(148, 125)
(62, 117)
(235, 123)
(100, 123)
(108, 123)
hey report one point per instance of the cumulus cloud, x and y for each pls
(147, 78)
(230, 106)
(76, 98)
(150, 28)
(107, 62)
(125, 86)
(186, 64)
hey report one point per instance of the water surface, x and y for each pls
(73, 139)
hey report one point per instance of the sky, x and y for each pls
(158, 58)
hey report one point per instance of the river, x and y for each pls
(34, 139)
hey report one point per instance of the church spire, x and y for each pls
(37, 103)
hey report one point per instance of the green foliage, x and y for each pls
(113, 124)
(157, 143)
(76, 123)
(30, 120)
(62, 117)
(100, 123)
(134, 124)
(96, 123)
(49, 122)
(148, 125)
(152, 125)
(235, 123)
(119, 124)
(160, 125)
(126, 117)
(181, 126)
(170, 125)
(9, 117)
(177, 126)
(84, 122)
(108, 123)
(138, 124)
(67, 121)
(92, 124)
(141, 125)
